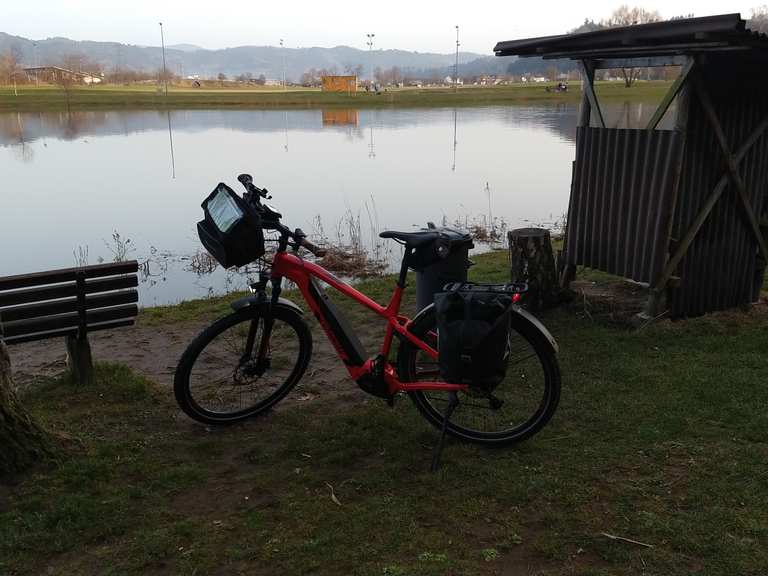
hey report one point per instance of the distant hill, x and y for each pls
(185, 47)
(188, 59)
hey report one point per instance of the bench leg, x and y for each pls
(79, 359)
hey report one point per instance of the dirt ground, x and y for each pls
(154, 351)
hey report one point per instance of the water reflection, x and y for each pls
(33, 126)
(341, 117)
(111, 171)
(455, 123)
(170, 140)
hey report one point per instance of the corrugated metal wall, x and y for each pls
(719, 269)
(628, 210)
(622, 198)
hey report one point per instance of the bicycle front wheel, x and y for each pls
(522, 403)
(220, 378)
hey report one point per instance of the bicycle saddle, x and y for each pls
(412, 239)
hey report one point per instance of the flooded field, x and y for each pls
(96, 186)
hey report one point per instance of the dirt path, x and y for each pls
(155, 350)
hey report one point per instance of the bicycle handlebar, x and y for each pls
(255, 193)
(316, 250)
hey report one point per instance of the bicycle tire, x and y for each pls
(209, 349)
(425, 401)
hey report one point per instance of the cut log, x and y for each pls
(532, 260)
(22, 441)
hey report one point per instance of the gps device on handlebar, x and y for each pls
(232, 228)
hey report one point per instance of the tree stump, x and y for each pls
(532, 260)
(79, 359)
(22, 441)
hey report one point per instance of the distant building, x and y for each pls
(339, 83)
(58, 74)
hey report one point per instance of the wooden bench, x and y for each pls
(69, 303)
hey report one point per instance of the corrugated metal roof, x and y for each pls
(690, 35)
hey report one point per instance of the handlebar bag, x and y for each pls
(473, 323)
(231, 229)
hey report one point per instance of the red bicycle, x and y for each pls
(246, 362)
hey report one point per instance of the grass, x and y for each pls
(660, 437)
(31, 98)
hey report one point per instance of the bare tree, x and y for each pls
(221, 78)
(65, 80)
(630, 16)
(9, 67)
(759, 20)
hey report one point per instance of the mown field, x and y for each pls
(32, 98)
(660, 438)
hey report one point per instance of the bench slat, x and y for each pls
(67, 275)
(66, 332)
(66, 290)
(28, 311)
(51, 323)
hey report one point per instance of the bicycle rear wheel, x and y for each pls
(219, 379)
(529, 393)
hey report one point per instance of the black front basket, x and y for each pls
(231, 230)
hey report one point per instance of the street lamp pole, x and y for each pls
(283, 51)
(37, 72)
(456, 66)
(370, 53)
(162, 43)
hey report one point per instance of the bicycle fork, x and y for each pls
(262, 360)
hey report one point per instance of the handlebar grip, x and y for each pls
(316, 250)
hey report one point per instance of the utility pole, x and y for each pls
(283, 51)
(456, 66)
(370, 53)
(162, 43)
(37, 65)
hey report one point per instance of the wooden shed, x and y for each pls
(339, 83)
(684, 210)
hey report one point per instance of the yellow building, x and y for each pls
(339, 83)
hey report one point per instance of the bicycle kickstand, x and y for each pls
(453, 401)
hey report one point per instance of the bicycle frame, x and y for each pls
(302, 273)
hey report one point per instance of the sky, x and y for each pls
(424, 26)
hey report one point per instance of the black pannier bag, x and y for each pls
(473, 322)
(231, 230)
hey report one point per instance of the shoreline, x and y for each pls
(51, 98)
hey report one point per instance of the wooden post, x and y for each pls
(22, 441)
(79, 357)
(532, 260)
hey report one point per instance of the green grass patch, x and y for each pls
(31, 98)
(660, 438)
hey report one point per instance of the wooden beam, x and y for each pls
(732, 164)
(712, 199)
(671, 94)
(641, 62)
(696, 225)
(588, 73)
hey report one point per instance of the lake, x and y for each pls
(83, 186)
